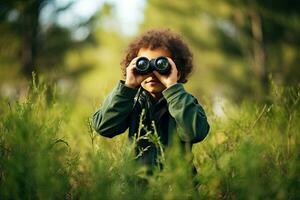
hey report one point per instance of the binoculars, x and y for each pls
(144, 65)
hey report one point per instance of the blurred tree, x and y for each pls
(26, 43)
(240, 41)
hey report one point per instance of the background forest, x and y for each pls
(60, 58)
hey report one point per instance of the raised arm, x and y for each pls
(112, 118)
(192, 125)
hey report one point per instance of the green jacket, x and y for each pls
(176, 114)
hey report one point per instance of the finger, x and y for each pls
(130, 68)
(134, 60)
(131, 65)
(173, 65)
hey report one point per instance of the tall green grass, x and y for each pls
(254, 153)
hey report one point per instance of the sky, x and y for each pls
(129, 13)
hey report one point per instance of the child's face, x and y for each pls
(151, 83)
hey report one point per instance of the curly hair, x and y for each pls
(162, 38)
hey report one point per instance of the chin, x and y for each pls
(154, 89)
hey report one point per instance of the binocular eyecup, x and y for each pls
(160, 64)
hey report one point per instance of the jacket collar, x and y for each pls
(146, 97)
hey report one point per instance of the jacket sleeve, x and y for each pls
(112, 118)
(191, 121)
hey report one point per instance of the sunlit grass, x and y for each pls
(49, 151)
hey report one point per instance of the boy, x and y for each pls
(175, 112)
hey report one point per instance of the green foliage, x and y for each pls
(35, 161)
(251, 154)
(236, 43)
(255, 153)
(47, 150)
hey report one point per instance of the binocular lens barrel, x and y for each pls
(161, 63)
(145, 66)
(142, 64)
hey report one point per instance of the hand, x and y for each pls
(133, 79)
(171, 78)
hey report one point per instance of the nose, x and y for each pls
(152, 75)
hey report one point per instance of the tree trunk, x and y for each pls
(259, 54)
(29, 31)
